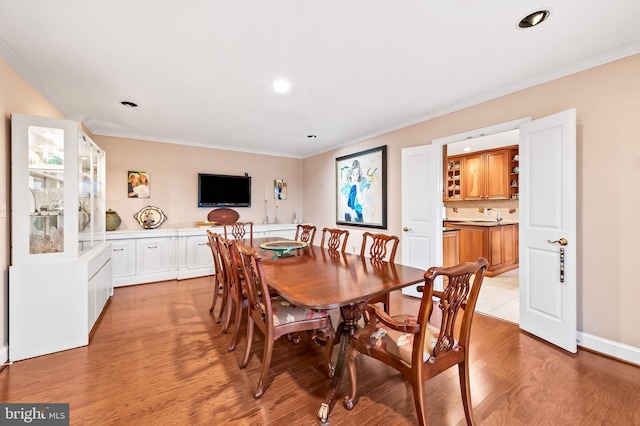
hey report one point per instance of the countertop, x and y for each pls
(485, 223)
(449, 229)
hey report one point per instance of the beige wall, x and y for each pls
(607, 99)
(16, 96)
(174, 172)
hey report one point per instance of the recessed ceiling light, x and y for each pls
(129, 104)
(533, 19)
(281, 86)
(467, 149)
(311, 136)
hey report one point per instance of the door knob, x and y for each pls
(407, 229)
(562, 241)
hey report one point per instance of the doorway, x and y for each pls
(500, 295)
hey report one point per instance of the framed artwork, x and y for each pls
(361, 188)
(280, 189)
(138, 184)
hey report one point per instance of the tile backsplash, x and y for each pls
(470, 210)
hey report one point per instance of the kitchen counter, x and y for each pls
(449, 229)
(486, 223)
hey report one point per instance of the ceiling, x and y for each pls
(202, 71)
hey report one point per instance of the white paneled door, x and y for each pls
(548, 229)
(421, 209)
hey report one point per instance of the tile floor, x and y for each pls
(500, 297)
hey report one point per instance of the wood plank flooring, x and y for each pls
(158, 358)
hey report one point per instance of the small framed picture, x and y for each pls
(138, 184)
(280, 189)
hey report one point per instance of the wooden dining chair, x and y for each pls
(239, 230)
(336, 240)
(380, 248)
(421, 350)
(219, 279)
(306, 233)
(275, 316)
(236, 295)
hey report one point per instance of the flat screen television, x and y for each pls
(224, 190)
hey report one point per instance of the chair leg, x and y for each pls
(465, 390)
(266, 363)
(418, 399)
(223, 307)
(351, 400)
(236, 327)
(216, 289)
(227, 316)
(387, 302)
(247, 351)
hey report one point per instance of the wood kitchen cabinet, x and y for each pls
(485, 175)
(450, 248)
(503, 243)
(498, 244)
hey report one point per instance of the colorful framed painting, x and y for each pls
(361, 188)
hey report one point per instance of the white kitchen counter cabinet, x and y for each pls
(149, 255)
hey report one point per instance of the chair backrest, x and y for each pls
(231, 271)
(217, 259)
(306, 233)
(337, 240)
(239, 230)
(460, 294)
(378, 246)
(257, 289)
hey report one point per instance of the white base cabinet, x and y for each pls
(151, 255)
(53, 306)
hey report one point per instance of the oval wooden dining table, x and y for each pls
(316, 278)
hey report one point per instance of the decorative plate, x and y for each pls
(223, 216)
(284, 247)
(150, 217)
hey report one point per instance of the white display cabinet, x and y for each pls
(60, 274)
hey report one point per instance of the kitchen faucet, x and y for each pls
(498, 217)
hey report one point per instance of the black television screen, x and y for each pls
(224, 190)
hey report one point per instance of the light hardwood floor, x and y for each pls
(157, 358)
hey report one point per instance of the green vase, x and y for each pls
(113, 220)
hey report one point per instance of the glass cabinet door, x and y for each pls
(57, 190)
(90, 194)
(46, 184)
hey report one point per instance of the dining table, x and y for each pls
(317, 278)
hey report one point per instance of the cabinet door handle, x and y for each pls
(118, 249)
(203, 244)
(152, 247)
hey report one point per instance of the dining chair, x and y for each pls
(239, 230)
(275, 316)
(236, 295)
(306, 233)
(380, 248)
(415, 347)
(337, 239)
(219, 279)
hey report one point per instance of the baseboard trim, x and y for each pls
(609, 347)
